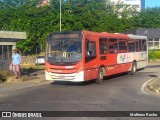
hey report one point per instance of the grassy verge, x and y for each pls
(27, 69)
(154, 55)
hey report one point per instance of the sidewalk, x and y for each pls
(24, 82)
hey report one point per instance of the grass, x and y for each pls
(154, 55)
(27, 69)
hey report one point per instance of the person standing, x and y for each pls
(16, 59)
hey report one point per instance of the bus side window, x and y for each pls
(103, 46)
(113, 48)
(90, 48)
(137, 45)
(122, 46)
(144, 45)
(140, 45)
(131, 46)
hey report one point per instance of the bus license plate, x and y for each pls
(62, 77)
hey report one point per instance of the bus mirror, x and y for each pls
(89, 46)
(90, 53)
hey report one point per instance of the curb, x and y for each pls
(145, 86)
(152, 88)
(149, 88)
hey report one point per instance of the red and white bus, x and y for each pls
(84, 55)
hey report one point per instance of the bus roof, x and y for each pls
(105, 34)
(131, 36)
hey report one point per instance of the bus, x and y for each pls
(85, 55)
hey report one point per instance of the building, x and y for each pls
(143, 4)
(8, 41)
(137, 4)
(153, 36)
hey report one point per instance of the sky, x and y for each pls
(152, 3)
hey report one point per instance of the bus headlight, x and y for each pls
(47, 69)
(79, 76)
(79, 69)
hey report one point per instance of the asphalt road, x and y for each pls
(118, 93)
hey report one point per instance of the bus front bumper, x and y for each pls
(73, 77)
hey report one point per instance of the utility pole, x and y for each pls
(60, 21)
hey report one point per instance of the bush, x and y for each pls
(153, 55)
(3, 76)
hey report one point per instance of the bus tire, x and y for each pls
(100, 76)
(134, 68)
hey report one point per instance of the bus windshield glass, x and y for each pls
(63, 51)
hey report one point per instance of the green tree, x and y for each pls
(147, 18)
(93, 15)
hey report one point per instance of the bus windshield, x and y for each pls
(63, 51)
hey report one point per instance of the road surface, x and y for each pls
(119, 93)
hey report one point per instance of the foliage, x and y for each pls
(147, 18)
(153, 55)
(3, 76)
(93, 15)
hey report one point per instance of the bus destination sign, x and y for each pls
(60, 36)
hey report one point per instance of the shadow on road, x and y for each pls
(90, 82)
(67, 83)
(155, 76)
(153, 66)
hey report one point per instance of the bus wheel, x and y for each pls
(100, 76)
(134, 68)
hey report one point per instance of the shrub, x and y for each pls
(3, 76)
(153, 55)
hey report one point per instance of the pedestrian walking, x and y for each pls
(16, 59)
